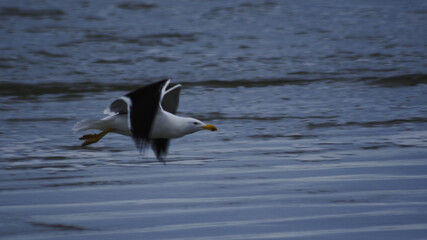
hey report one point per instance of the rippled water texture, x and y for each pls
(321, 110)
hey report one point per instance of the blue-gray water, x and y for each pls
(321, 109)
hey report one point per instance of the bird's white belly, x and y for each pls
(164, 126)
(120, 124)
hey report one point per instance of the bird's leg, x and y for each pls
(93, 138)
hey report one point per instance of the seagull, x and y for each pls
(146, 114)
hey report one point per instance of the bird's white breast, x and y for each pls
(167, 125)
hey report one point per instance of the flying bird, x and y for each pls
(147, 114)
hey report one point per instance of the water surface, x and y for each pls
(320, 108)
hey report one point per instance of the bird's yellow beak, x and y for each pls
(210, 127)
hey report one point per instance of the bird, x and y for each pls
(148, 115)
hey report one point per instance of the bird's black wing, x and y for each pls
(170, 104)
(160, 147)
(170, 100)
(119, 106)
(144, 105)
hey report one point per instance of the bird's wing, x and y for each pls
(169, 102)
(160, 147)
(144, 103)
(170, 99)
(119, 106)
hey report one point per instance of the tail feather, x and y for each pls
(87, 124)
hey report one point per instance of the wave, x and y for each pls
(136, 6)
(38, 89)
(160, 39)
(32, 13)
(50, 54)
(369, 123)
(251, 82)
(400, 80)
(307, 78)
(22, 89)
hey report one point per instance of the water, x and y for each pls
(320, 108)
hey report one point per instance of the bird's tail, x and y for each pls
(87, 124)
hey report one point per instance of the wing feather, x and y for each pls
(160, 147)
(119, 106)
(145, 104)
(170, 99)
(170, 102)
(142, 105)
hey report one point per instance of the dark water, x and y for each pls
(321, 108)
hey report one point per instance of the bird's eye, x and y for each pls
(195, 123)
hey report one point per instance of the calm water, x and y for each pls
(321, 110)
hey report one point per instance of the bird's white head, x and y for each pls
(194, 125)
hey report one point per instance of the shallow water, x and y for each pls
(320, 108)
